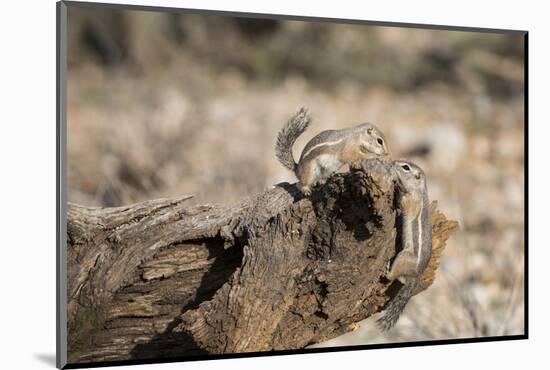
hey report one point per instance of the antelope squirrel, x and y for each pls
(328, 151)
(416, 237)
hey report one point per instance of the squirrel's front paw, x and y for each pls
(387, 269)
(356, 165)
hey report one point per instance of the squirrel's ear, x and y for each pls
(369, 130)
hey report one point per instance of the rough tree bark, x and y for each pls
(277, 271)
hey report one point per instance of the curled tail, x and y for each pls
(287, 137)
(397, 305)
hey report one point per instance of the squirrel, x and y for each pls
(416, 238)
(328, 151)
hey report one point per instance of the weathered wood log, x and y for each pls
(277, 271)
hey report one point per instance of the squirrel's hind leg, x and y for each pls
(307, 174)
(403, 265)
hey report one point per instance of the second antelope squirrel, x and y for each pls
(416, 238)
(328, 151)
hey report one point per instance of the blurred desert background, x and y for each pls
(163, 105)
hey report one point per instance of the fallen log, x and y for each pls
(277, 271)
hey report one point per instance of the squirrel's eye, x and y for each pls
(380, 141)
(406, 167)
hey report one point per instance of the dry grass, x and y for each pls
(200, 117)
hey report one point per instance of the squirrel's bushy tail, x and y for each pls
(397, 305)
(287, 137)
